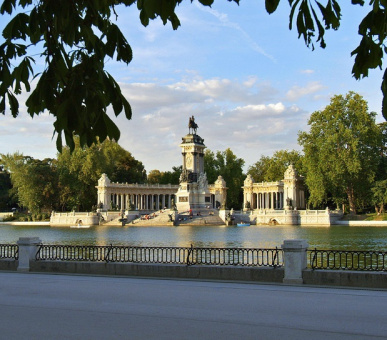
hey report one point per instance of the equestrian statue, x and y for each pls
(192, 126)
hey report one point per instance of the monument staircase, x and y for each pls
(200, 217)
(160, 217)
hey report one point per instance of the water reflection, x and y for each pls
(339, 237)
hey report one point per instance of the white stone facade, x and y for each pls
(136, 196)
(285, 194)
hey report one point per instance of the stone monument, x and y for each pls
(193, 192)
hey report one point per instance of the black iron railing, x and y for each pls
(9, 251)
(348, 260)
(173, 255)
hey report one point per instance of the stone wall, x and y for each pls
(290, 217)
(71, 218)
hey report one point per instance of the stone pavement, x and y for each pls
(50, 306)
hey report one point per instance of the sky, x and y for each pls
(248, 80)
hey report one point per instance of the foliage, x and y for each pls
(75, 38)
(379, 198)
(6, 200)
(341, 151)
(227, 165)
(35, 181)
(81, 169)
(165, 177)
(268, 169)
(68, 182)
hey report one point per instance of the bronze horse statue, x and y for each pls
(192, 126)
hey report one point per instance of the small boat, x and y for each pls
(79, 226)
(243, 224)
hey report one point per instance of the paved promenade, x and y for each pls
(49, 306)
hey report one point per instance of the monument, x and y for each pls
(193, 192)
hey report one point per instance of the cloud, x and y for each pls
(296, 92)
(307, 71)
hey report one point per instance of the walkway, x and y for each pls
(49, 306)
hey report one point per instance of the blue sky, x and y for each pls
(249, 82)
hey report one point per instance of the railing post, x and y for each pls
(295, 258)
(28, 247)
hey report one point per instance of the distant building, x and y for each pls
(285, 194)
(193, 192)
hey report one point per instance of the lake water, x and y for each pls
(336, 237)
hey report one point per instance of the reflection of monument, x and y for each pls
(194, 192)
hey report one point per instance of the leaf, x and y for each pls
(271, 5)
(7, 5)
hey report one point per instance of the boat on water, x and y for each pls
(243, 224)
(80, 226)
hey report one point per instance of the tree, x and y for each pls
(75, 38)
(128, 169)
(341, 151)
(165, 177)
(78, 171)
(34, 180)
(379, 198)
(6, 200)
(269, 169)
(154, 176)
(230, 168)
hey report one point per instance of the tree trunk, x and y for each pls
(351, 200)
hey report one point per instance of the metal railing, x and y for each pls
(348, 260)
(167, 255)
(9, 251)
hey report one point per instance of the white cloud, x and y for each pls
(297, 92)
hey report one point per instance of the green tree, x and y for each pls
(75, 38)
(341, 151)
(79, 171)
(379, 198)
(128, 169)
(165, 177)
(154, 176)
(34, 180)
(6, 199)
(269, 169)
(230, 167)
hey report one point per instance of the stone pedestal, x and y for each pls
(28, 246)
(295, 260)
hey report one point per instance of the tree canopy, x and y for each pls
(68, 182)
(268, 169)
(75, 38)
(341, 151)
(230, 167)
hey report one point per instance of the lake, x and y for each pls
(335, 237)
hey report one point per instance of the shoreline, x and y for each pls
(25, 223)
(335, 224)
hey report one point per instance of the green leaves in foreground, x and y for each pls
(75, 39)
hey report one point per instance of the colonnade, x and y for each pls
(142, 201)
(267, 200)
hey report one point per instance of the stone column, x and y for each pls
(163, 201)
(28, 246)
(295, 259)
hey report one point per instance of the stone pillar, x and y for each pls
(163, 200)
(295, 259)
(157, 202)
(28, 246)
